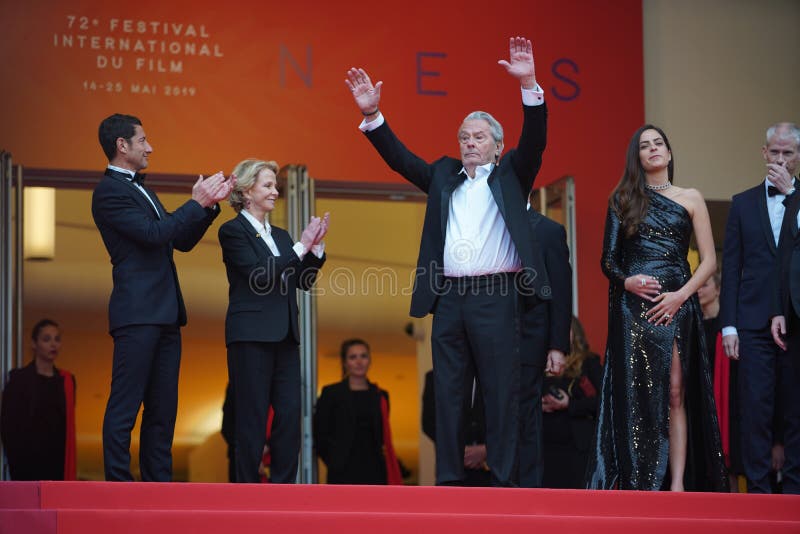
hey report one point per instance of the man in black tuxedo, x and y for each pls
(475, 250)
(746, 306)
(146, 308)
(545, 342)
(787, 319)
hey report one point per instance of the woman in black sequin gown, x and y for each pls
(657, 423)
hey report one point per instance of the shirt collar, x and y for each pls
(481, 171)
(256, 223)
(129, 172)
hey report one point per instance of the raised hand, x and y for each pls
(366, 95)
(520, 61)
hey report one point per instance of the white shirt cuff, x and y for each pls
(729, 331)
(299, 249)
(533, 97)
(371, 125)
(318, 250)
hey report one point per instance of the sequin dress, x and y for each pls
(632, 437)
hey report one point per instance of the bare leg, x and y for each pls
(677, 423)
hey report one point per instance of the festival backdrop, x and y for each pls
(214, 82)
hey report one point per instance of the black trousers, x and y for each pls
(264, 375)
(476, 324)
(531, 460)
(533, 356)
(144, 371)
(767, 379)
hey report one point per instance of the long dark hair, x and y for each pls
(629, 199)
(579, 350)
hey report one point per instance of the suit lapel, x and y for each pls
(282, 242)
(790, 217)
(497, 193)
(763, 215)
(137, 194)
(253, 235)
(160, 210)
(447, 192)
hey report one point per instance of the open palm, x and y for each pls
(520, 59)
(364, 93)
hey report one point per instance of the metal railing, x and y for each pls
(11, 281)
(299, 208)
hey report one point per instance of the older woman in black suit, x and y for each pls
(265, 268)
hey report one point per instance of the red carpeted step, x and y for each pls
(20, 495)
(119, 508)
(172, 522)
(28, 521)
(324, 498)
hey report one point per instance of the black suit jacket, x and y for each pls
(748, 263)
(140, 244)
(335, 422)
(550, 238)
(510, 182)
(262, 293)
(787, 267)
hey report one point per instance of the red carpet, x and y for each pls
(137, 508)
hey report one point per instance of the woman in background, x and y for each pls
(726, 373)
(37, 422)
(569, 404)
(351, 424)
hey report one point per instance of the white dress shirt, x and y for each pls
(264, 231)
(477, 240)
(776, 209)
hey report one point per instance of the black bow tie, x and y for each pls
(138, 179)
(772, 191)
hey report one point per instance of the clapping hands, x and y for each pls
(209, 191)
(315, 231)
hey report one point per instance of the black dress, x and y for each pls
(567, 434)
(33, 424)
(632, 437)
(348, 433)
(712, 328)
